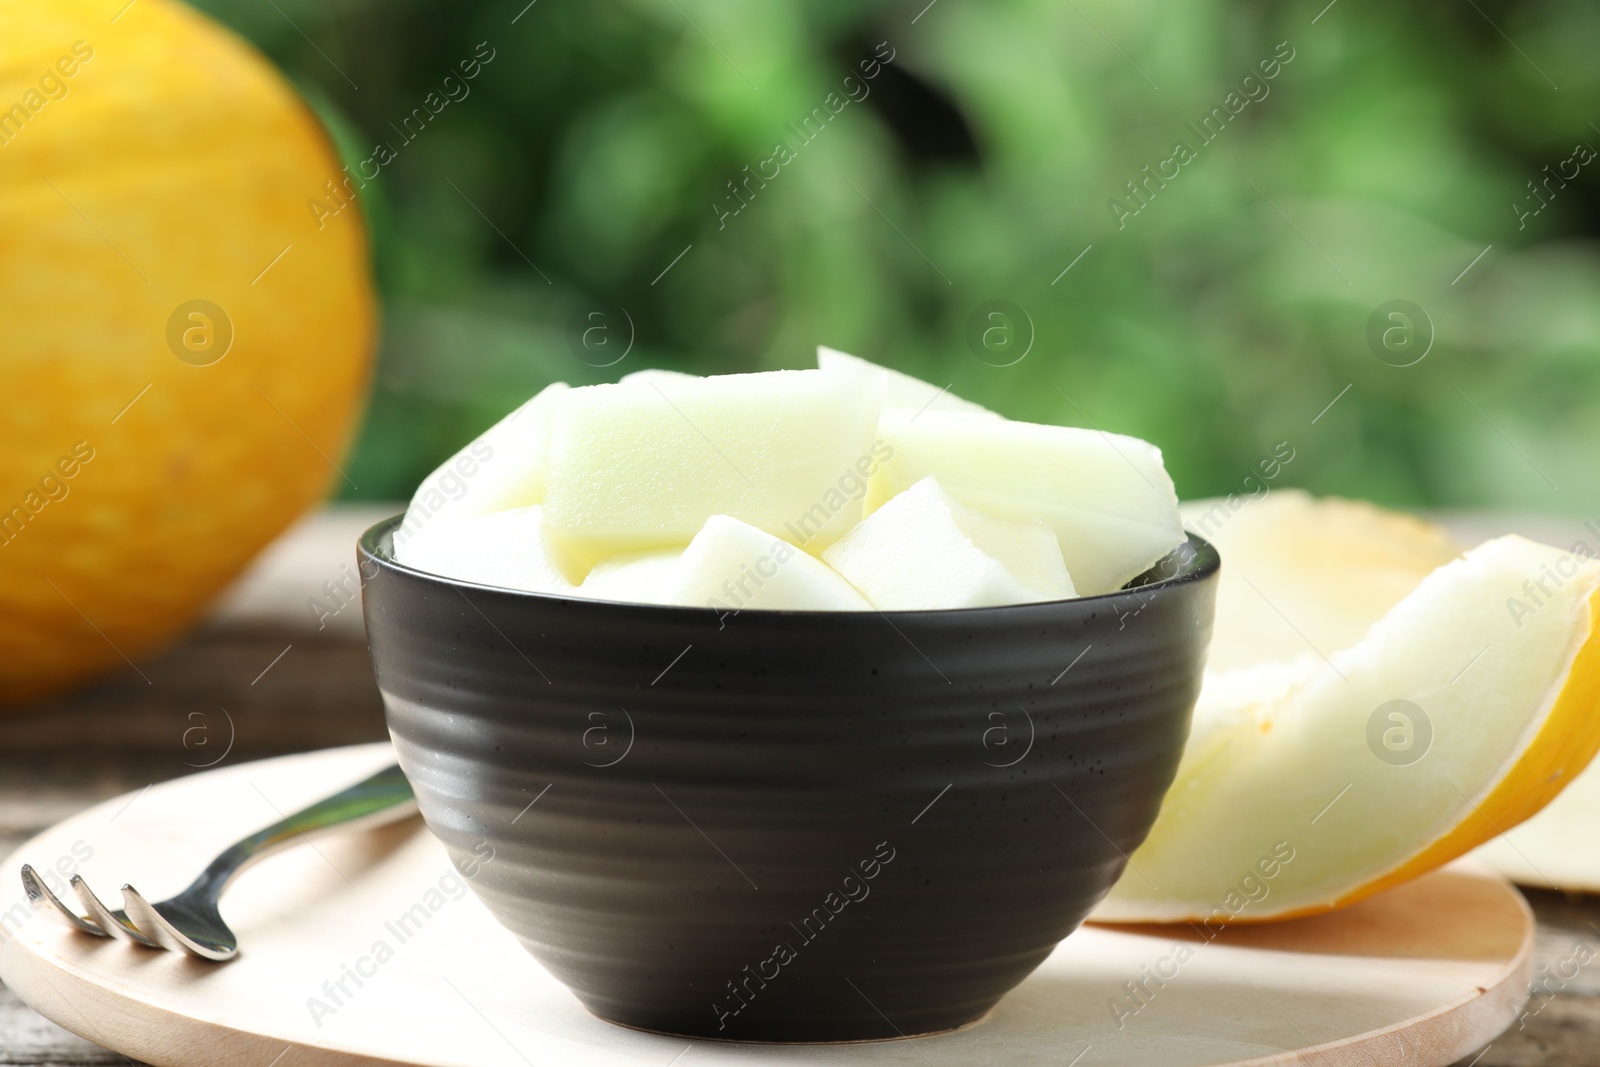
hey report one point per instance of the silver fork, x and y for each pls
(190, 921)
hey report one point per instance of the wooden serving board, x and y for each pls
(1422, 975)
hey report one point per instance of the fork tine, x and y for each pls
(145, 916)
(40, 894)
(118, 926)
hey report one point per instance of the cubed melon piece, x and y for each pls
(922, 550)
(644, 464)
(731, 565)
(900, 391)
(1107, 496)
(656, 374)
(503, 468)
(638, 578)
(504, 548)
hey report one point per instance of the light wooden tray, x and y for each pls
(1421, 975)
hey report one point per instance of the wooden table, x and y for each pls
(262, 672)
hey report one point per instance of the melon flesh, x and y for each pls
(731, 565)
(924, 551)
(1107, 497)
(901, 392)
(1308, 757)
(637, 579)
(505, 548)
(503, 467)
(643, 464)
(656, 374)
(1305, 575)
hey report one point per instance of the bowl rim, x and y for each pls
(1202, 566)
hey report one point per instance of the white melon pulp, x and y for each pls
(1107, 497)
(644, 464)
(731, 565)
(901, 392)
(638, 579)
(1455, 717)
(505, 548)
(503, 468)
(656, 374)
(924, 551)
(1303, 575)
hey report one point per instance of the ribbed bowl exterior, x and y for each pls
(787, 826)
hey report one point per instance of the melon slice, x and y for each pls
(1304, 574)
(924, 551)
(1310, 784)
(503, 467)
(731, 565)
(1107, 497)
(901, 392)
(505, 548)
(637, 579)
(644, 464)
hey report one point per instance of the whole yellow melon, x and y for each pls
(185, 327)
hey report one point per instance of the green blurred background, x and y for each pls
(1395, 146)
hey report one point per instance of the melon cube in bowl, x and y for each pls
(731, 565)
(502, 468)
(505, 548)
(639, 578)
(1108, 497)
(901, 392)
(924, 551)
(643, 464)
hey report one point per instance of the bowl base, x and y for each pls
(756, 1040)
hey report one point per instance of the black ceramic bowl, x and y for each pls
(788, 826)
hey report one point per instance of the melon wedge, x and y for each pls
(1107, 497)
(1304, 574)
(901, 392)
(642, 465)
(1310, 784)
(924, 551)
(505, 548)
(503, 467)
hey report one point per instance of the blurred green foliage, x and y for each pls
(1220, 319)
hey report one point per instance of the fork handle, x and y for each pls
(383, 798)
